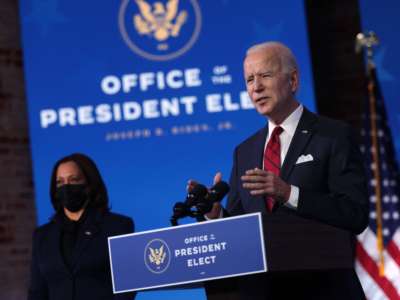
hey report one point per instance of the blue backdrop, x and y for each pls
(152, 91)
(382, 18)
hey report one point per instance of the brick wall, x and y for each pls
(17, 211)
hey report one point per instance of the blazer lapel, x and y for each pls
(256, 160)
(89, 229)
(53, 247)
(300, 140)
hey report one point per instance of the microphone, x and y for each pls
(184, 209)
(201, 199)
(216, 194)
(218, 191)
(180, 210)
(196, 195)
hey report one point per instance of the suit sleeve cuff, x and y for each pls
(293, 198)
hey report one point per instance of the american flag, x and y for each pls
(378, 247)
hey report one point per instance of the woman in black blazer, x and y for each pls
(70, 253)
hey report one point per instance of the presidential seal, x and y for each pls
(157, 256)
(159, 30)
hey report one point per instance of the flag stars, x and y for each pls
(386, 216)
(384, 221)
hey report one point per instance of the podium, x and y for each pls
(187, 254)
(294, 243)
(229, 247)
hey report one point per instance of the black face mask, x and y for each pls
(72, 196)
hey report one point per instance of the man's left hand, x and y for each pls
(261, 182)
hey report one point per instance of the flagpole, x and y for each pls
(367, 41)
(376, 169)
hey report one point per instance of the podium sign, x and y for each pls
(187, 253)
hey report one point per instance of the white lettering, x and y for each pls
(192, 77)
(174, 79)
(67, 116)
(245, 101)
(150, 109)
(206, 260)
(213, 103)
(146, 79)
(103, 113)
(116, 112)
(228, 104)
(132, 110)
(172, 82)
(188, 101)
(47, 117)
(128, 82)
(169, 107)
(160, 80)
(110, 85)
(85, 115)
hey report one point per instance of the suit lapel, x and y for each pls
(256, 160)
(89, 229)
(53, 246)
(302, 136)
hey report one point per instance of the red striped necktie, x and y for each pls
(272, 159)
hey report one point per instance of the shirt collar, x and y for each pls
(289, 125)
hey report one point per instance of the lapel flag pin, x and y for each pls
(88, 233)
(304, 131)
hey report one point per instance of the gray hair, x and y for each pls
(283, 53)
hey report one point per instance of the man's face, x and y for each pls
(269, 88)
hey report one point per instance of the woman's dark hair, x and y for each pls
(96, 188)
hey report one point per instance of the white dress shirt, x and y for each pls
(289, 126)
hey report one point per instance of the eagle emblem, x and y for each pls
(157, 256)
(159, 20)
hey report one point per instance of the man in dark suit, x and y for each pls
(304, 173)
